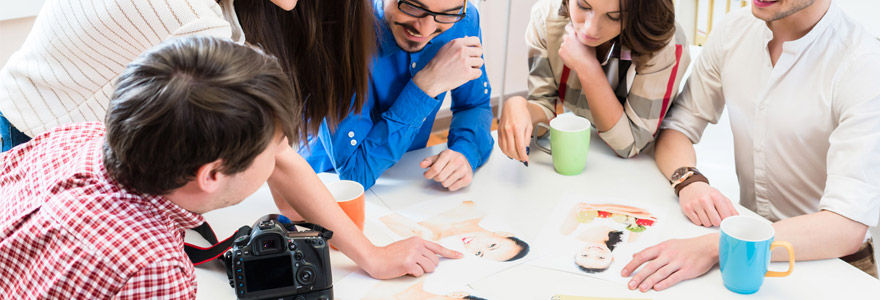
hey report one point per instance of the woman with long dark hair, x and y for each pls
(66, 69)
(617, 63)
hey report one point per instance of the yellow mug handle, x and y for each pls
(790, 249)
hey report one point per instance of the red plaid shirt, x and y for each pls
(71, 232)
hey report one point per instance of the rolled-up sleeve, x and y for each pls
(852, 188)
(701, 101)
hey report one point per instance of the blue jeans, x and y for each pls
(11, 137)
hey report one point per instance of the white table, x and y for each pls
(525, 196)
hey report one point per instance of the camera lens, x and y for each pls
(269, 244)
(306, 275)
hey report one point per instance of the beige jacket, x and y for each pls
(652, 88)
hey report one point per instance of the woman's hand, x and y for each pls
(413, 256)
(576, 55)
(515, 129)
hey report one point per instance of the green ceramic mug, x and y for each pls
(569, 142)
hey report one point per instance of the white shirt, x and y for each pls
(65, 70)
(807, 131)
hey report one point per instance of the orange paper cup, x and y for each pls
(350, 197)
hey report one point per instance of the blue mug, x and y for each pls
(744, 253)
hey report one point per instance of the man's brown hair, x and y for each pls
(647, 25)
(190, 102)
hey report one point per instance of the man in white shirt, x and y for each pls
(799, 79)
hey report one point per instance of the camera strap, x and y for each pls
(199, 255)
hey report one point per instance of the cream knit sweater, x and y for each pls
(65, 70)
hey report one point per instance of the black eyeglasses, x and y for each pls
(414, 10)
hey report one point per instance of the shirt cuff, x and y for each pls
(851, 198)
(412, 106)
(549, 113)
(691, 126)
(469, 151)
(620, 136)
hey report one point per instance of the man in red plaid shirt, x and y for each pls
(95, 212)
(197, 121)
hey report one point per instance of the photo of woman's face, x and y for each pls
(490, 246)
(594, 256)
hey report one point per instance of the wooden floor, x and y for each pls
(440, 137)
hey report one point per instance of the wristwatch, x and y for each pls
(684, 176)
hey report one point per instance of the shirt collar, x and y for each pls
(387, 44)
(181, 217)
(798, 45)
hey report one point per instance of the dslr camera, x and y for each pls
(282, 260)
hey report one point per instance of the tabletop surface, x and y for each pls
(524, 196)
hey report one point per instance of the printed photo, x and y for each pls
(595, 238)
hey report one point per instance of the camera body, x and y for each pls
(279, 259)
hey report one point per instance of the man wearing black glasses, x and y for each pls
(426, 48)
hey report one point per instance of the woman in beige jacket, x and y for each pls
(618, 63)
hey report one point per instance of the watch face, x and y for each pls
(682, 172)
(678, 173)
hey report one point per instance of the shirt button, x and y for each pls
(353, 142)
(351, 134)
(414, 65)
(485, 84)
(486, 91)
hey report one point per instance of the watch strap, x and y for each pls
(696, 177)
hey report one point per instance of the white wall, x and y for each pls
(866, 11)
(14, 9)
(12, 34)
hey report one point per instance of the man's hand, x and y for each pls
(672, 261)
(705, 205)
(449, 168)
(515, 129)
(575, 54)
(457, 62)
(413, 256)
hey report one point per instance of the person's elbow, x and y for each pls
(626, 153)
(856, 240)
(855, 237)
(623, 150)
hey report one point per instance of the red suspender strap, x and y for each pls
(670, 86)
(563, 88)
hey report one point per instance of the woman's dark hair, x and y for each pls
(190, 102)
(523, 248)
(646, 25)
(324, 46)
(470, 297)
(614, 238)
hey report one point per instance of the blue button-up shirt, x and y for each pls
(397, 116)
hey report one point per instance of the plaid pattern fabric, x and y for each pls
(71, 232)
(654, 85)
